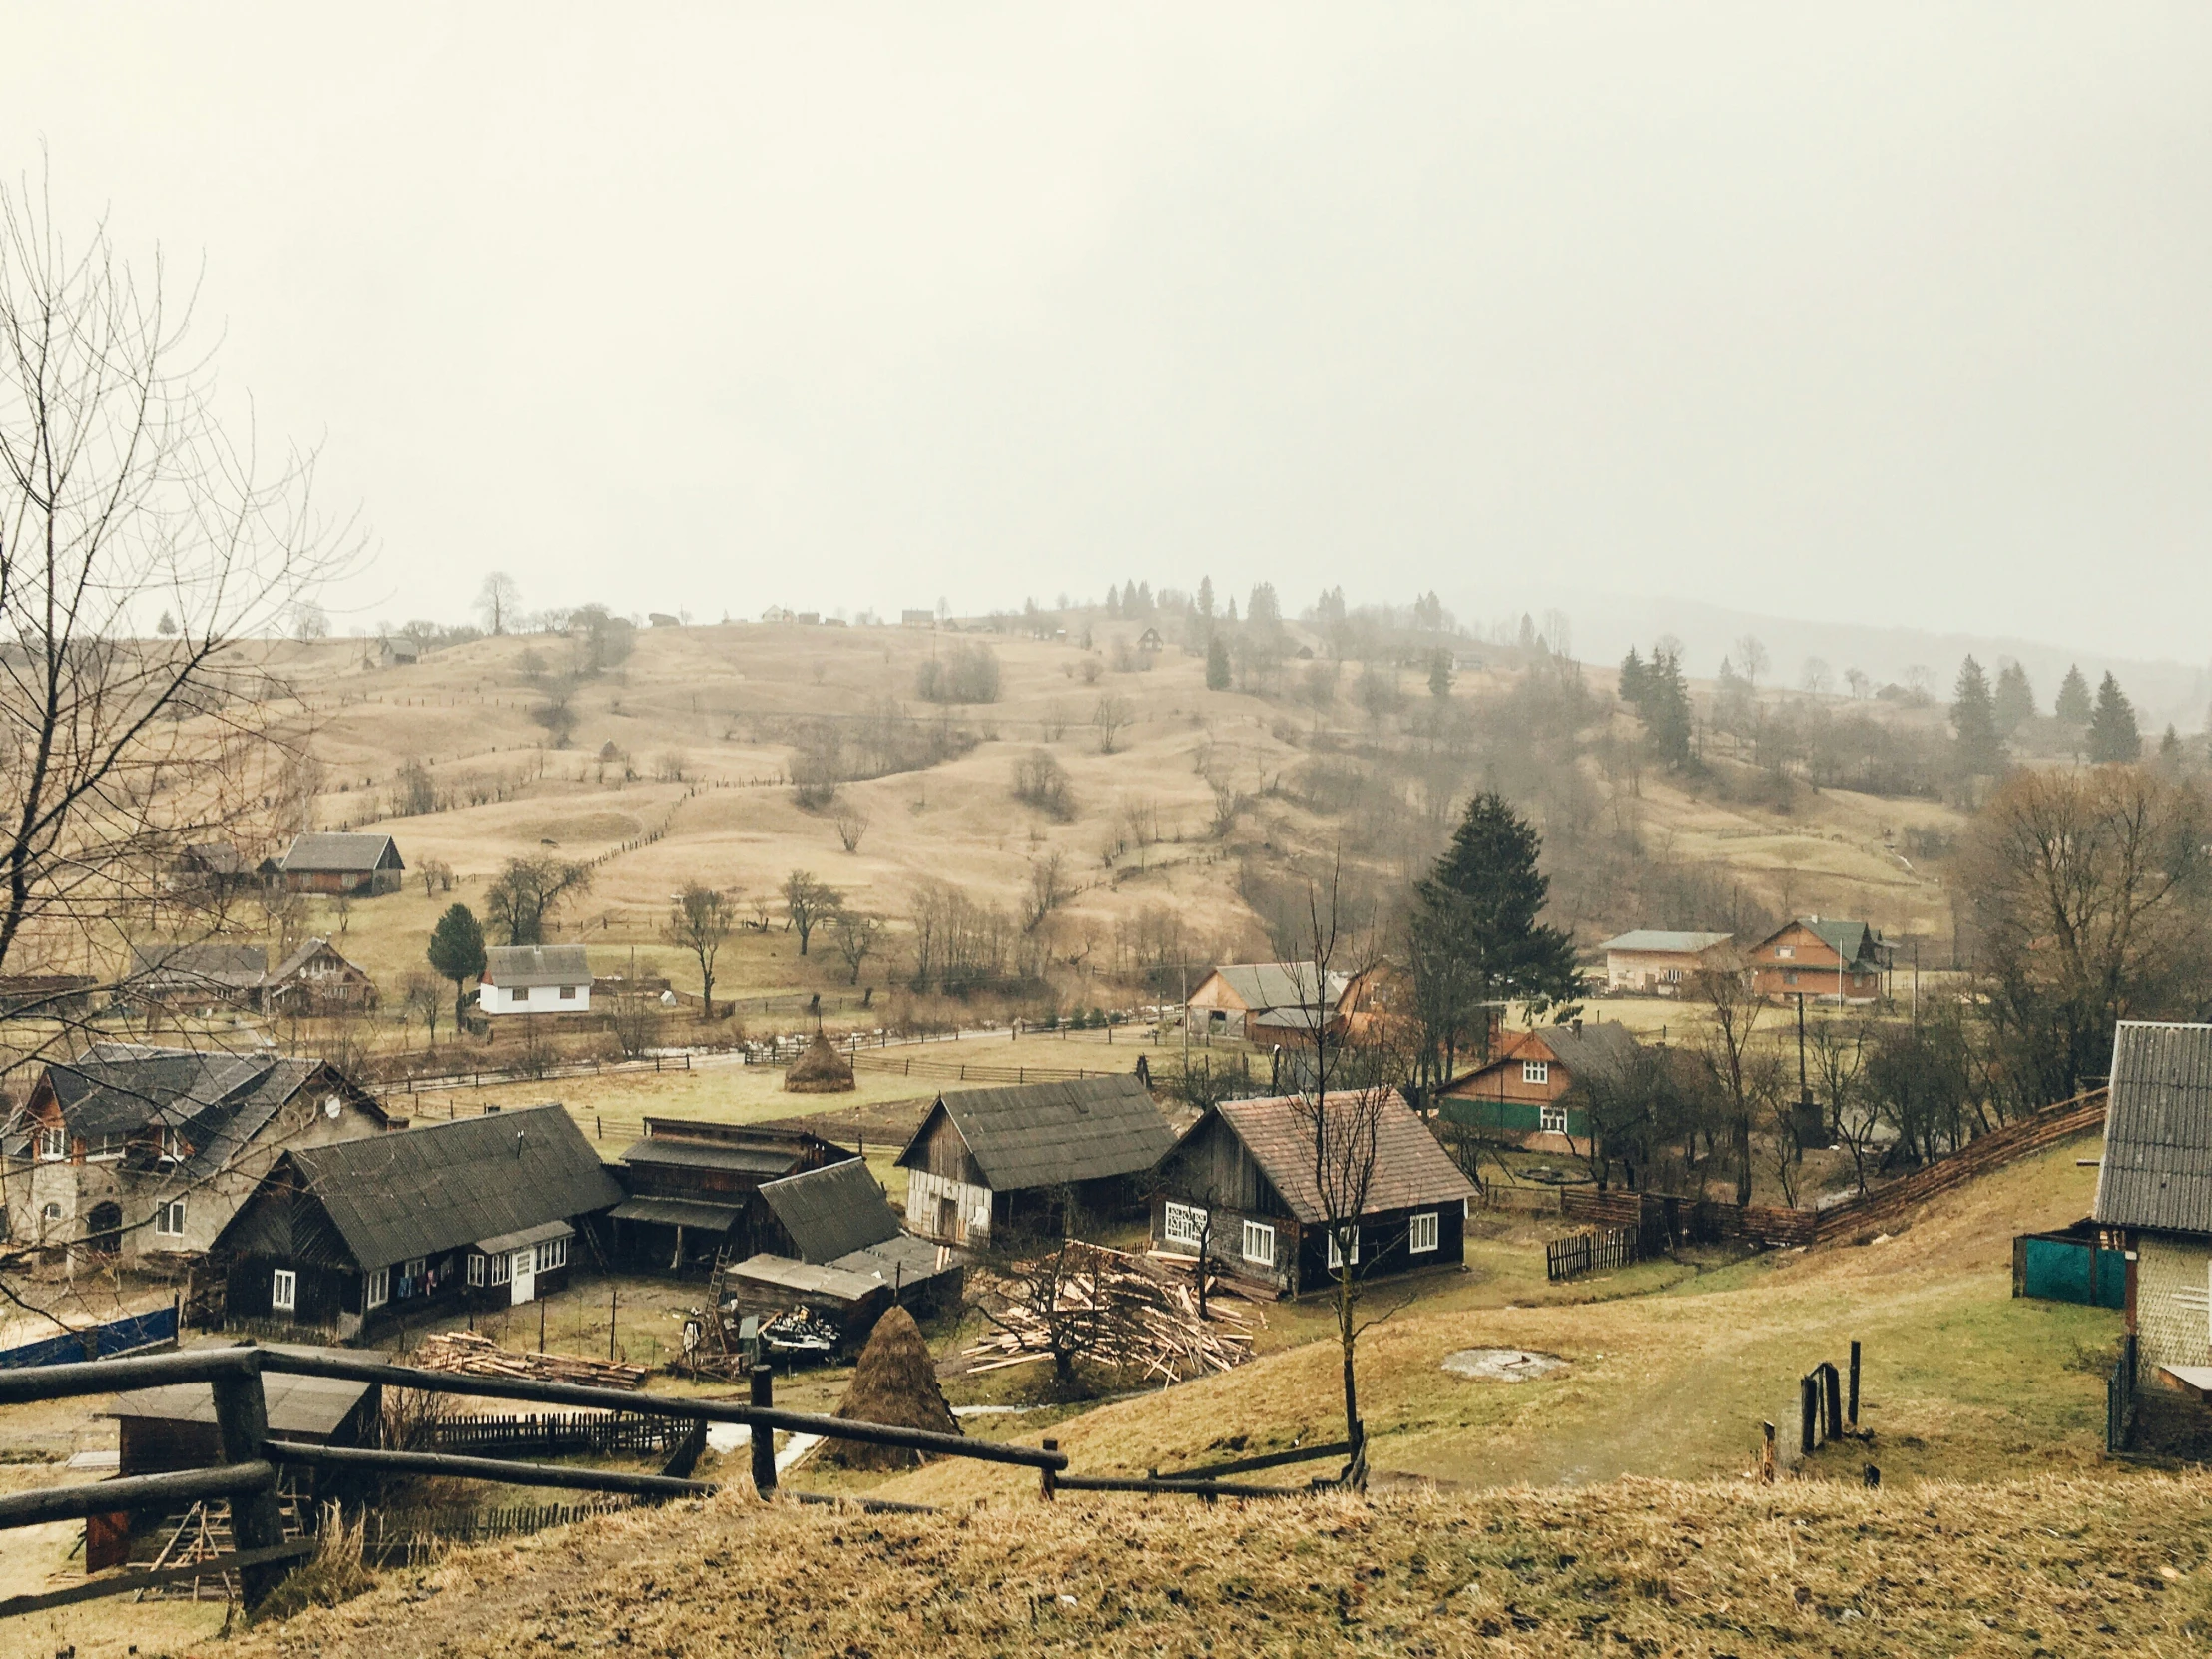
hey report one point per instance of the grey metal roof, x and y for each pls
(1278, 984)
(322, 852)
(2157, 1166)
(1660, 940)
(521, 1236)
(296, 1405)
(902, 1261)
(743, 1159)
(206, 965)
(524, 965)
(220, 1101)
(1041, 1133)
(1600, 1050)
(806, 1278)
(831, 1211)
(416, 1191)
(678, 1211)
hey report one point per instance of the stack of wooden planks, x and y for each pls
(479, 1355)
(1146, 1318)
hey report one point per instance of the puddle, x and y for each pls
(1503, 1365)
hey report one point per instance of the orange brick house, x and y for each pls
(1823, 961)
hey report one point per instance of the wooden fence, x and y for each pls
(554, 1433)
(1592, 1250)
(407, 1537)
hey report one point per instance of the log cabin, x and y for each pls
(687, 1186)
(347, 866)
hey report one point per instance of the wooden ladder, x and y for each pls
(203, 1533)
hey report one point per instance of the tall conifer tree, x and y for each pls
(2113, 734)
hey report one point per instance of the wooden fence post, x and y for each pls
(1833, 1423)
(1050, 1484)
(762, 1438)
(242, 1434)
(1808, 1409)
(1854, 1419)
(1766, 1457)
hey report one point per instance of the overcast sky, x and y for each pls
(1852, 312)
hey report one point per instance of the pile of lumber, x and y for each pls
(1137, 1314)
(479, 1355)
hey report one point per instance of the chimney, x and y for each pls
(1578, 1027)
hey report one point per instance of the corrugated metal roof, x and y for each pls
(1041, 1133)
(1410, 1169)
(678, 1211)
(806, 1278)
(899, 1262)
(521, 1236)
(324, 852)
(522, 966)
(296, 1405)
(833, 1211)
(1660, 940)
(2157, 1166)
(209, 965)
(1261, 986)
(743, 1159)
(416, 1191)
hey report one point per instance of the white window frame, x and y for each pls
(1552, 1119)
(1182, 1224)
(50, 1215)
(1258, 1242)
(501, 1266)
(284, 1292)
(106, 1150)
(475, 1269)
(518, 993)
(168, 1218)
(1421, 1232)
(1785, 952)
(53, 1145)
(552, 1253)
(1337, 1255)
(1536, 1071)
(378, 1289)
(171, 1150)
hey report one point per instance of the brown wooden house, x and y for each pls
(355, 866)
(1239, 1185)
(1531, 1092)
(1830, 960)
(688, 1186)
(317, 980)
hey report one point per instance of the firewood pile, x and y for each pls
(1135, 1314)
(479, 1355)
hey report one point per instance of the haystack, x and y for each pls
(894, 1382)
(821, 1070)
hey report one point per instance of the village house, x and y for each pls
(1240, 1187)
(46, 995)
(338, 865)
(1823, 961)
(477, 1211)
(1266, 1002)
(203, 977)
(1651, 961)
(1036, 1158)
(1533, 1091)
(316, 981)
(839, 1216)
(132, 1150)
(535, 979)
(212, 866)
(688, 1186)
(2154, 1196)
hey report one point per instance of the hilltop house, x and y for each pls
(131, 1150)
(1266, 1001)
(2154, 1195)
(1651, 961)
(477, 1211)
(357, 866)
(1240, 1186)
(689, 1185)
(1039, 1157)
(1832, 961)
(535, 979)
(1534, 1089)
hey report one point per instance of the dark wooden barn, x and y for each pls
(481, 1211)
(687, 1184)
(838, 1217)
(1240, 1185)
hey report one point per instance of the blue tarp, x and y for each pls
(2059, 1271)
(97, 1343)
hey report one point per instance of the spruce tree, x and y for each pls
(1980, 752)
(1216, 664)
(1439, 673)
(458, 951)
(1634, 685)
(2113, 734)
(1666, 708)
(2014, 699)
(1206, 596)
(2074, 698)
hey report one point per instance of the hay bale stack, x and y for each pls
(821, 1070)
(894, 1382)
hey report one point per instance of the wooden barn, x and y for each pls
(353, 866)
(478, 1212)
(687, 1186)
(1240, 1186)
(2154, 1196)
(197, 977)
(1044, 1157)
(1533, 1091)
(1266, 1001)
(838, 1217)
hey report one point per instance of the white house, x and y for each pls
(536, 980)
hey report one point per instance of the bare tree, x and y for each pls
(851, 824)
(528, 894)
(857, 935)
(436, 876)
(426, 1001)
(1057, 1299)
(700, 918)
(1752, 658)
(1112, 717)
(1047, 892)
(497, 601)
(1731, 1010)
(806, 902)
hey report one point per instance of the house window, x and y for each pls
(53, 1144)
(475, 1269)
(1554, 1119)
(1336, 1253)
(1259, 1243)
(171, 1147)
(105, 1149)
(379, 1287)
(283, 1291)
(1536, 1071)
(568, 993)
(169, 1219)
(552, 1253)
(1790, 978)
(499, 1267)
(521, 993)
(1421, 1233)
(1185, 1224)
(1784, 952)
(51, 1214)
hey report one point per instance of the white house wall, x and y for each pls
(2173, 1301)
(541, 999)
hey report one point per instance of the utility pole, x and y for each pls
(1915, 982)
(1803, 1094)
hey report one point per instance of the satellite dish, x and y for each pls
(330, 1107)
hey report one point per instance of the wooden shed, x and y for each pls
(355, 865)
(687, 1184)
(838, 1217)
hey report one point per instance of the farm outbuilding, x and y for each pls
(201, 976)
(687, 1184)
(1240, 1185)
(354, 865)
(1268, 1001)
(1042, 1157)
(478, 1212)
(838, 1217)
(2154, 1194)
